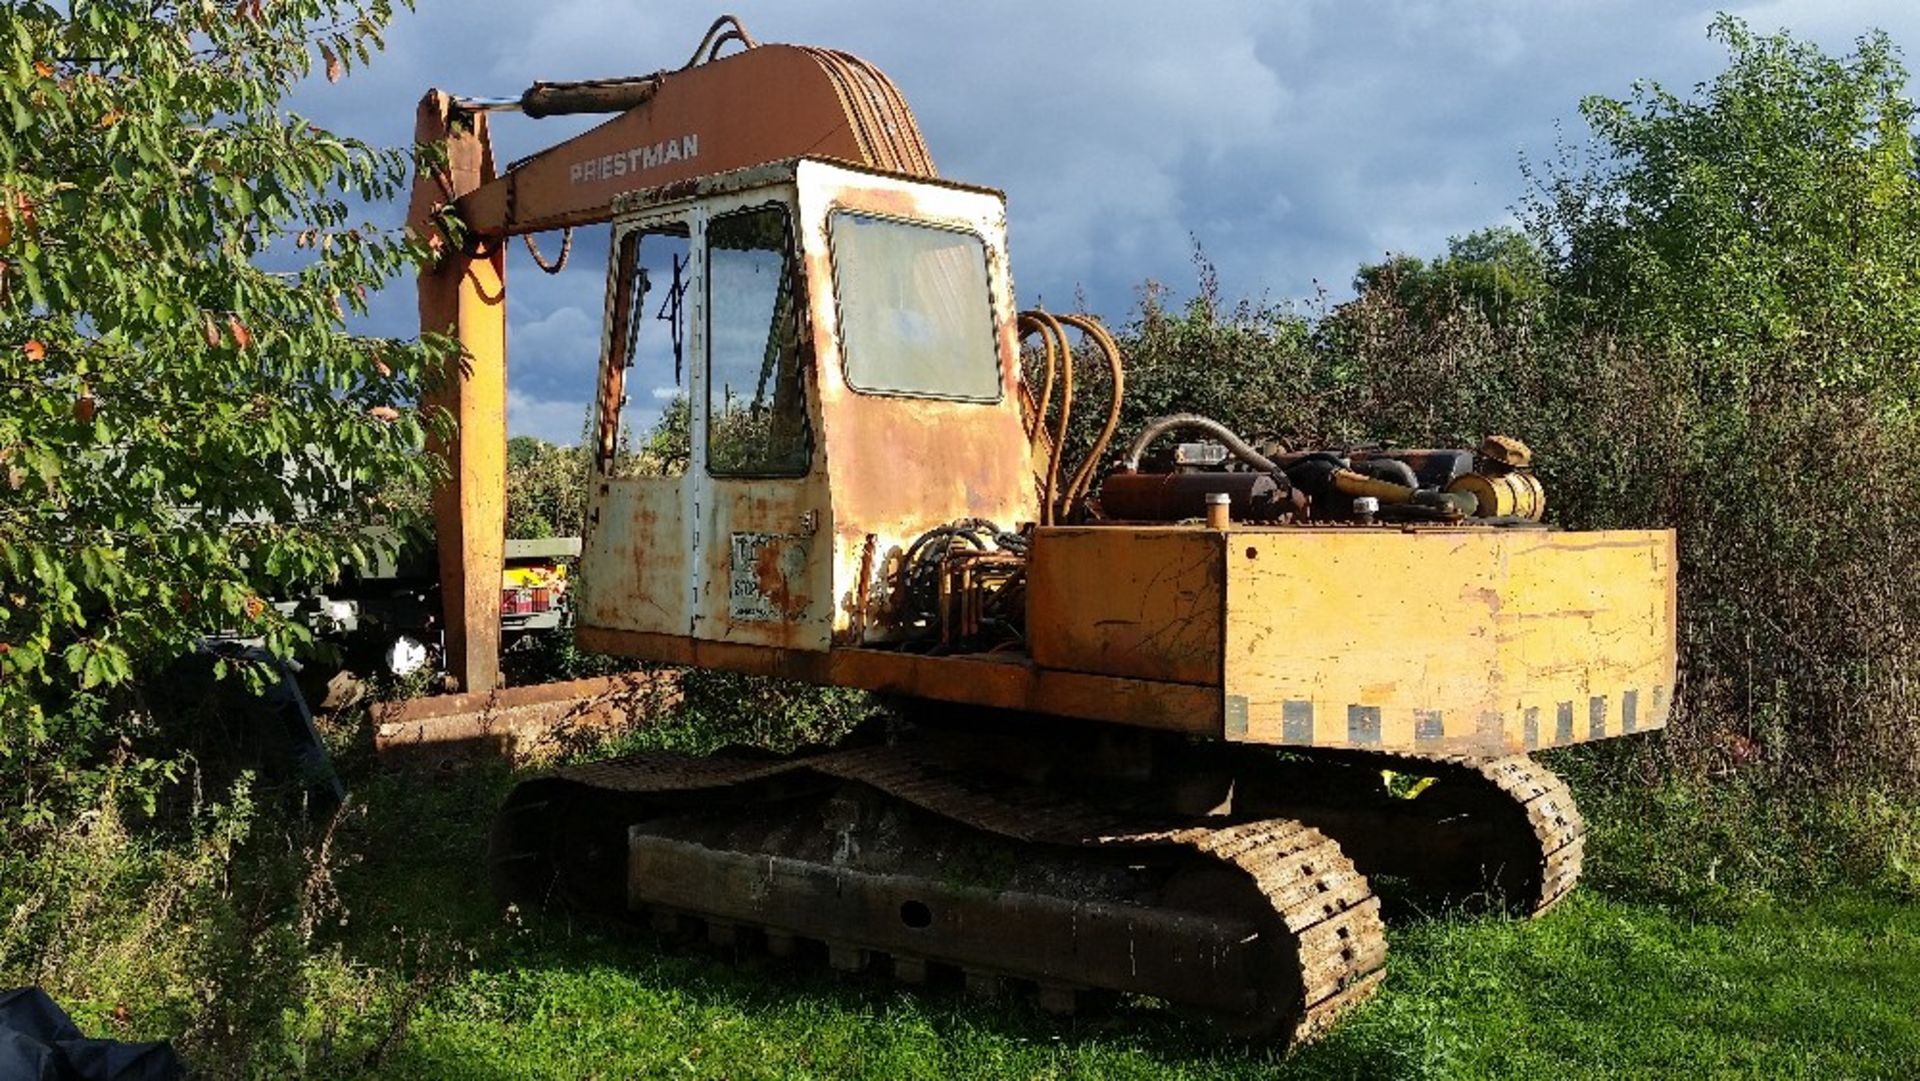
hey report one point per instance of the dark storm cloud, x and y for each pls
(1292, 142)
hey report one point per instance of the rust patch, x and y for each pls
(894, 203)
(767, 577)
(519, 722)
(635, 560)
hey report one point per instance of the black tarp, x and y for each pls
(39, 1042)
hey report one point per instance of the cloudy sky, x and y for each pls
(1290, 141)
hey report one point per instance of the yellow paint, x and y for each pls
(1474, 625)
(1439, 640)
(1135, 603)
(534, 577)
(474, 505)
(465, 295)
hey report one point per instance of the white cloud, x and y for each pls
(556, 354)
(1294, 141)
(1835, 26)
(552, 419)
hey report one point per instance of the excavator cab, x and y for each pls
(806, 366)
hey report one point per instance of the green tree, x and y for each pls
(669, 443)
(1497, 273)
(1249, 364)
(1772, 218)
(522, 450)
(1757, 246)
(186, 421)
(546, 488)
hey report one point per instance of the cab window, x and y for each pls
(756, 394)
(643, 412)
(915, 313)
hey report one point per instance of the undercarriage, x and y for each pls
(1234, 884)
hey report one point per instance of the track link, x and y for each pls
(1502, 830)
(1548, 872)
(1262, 925)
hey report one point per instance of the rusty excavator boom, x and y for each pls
(1158, 713)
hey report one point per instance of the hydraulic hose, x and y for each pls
(1051, 331)
(1036, 423)
(1061, 495)
(1388, 469)
(1349, 482)
(1160, 426)
(1083, 477)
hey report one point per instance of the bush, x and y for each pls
(546, 489)
(1705, 841)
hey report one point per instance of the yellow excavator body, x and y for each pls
(1169, 689)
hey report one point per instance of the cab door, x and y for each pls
(763, 575)
(637, 560)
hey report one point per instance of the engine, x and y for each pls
(1493, 484)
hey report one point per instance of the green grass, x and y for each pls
(1597, 989)
(387, 959)
(1602, 987)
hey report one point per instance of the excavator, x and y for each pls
(1163, 712)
